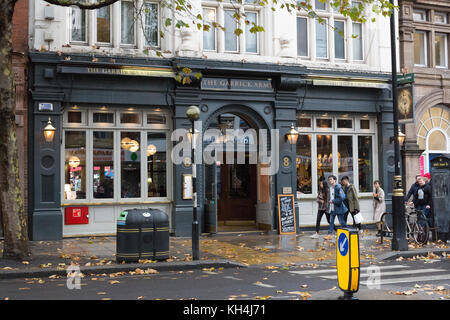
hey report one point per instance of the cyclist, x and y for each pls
(413, 189)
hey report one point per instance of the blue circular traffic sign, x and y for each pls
(343, 244)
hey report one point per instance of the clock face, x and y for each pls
(404, 102)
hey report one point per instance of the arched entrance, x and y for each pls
(234, 190)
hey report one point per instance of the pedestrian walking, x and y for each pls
(424, 198)
(322, 201)
(379, 205)
(351, 201)
(336, 205)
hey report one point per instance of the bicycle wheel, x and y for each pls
(386, 223)
(420, 232)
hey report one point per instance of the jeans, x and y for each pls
(320, 213)
(427, 213)
(340, 218)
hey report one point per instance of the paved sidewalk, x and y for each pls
(96, 255)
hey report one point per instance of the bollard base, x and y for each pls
(348, 296)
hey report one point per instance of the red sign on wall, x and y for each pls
(76, 215)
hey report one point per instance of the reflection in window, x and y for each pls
(304, 122)
(345, 123)
(78, 24)
(75, 165)
(345, 157)
(154, 118)
(324, 156)
(420, 48)
(103, 164)
(156, 165)
(303, 164)
(151, 24)
(324, 123)
(230, 27)
(130, 164)
(365, 163)
(134, 118)
(321, 40)
(251, 39)
(339, 41)
(103, 117)
(357, 41)
(209, 36)
(239, 181)
(364, 124)
(104, 24)
(74, 117)
(302, 37)
(127, 21)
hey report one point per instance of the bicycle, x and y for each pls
(417, 227)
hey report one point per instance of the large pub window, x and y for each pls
(115, 155)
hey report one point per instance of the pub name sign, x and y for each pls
(260, 85)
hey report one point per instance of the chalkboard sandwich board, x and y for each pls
(286, 214)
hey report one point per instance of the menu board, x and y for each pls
(286, 213)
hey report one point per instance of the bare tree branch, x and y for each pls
(82, 4)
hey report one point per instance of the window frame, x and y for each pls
(362, 43)
(327, 38)
(86, 27)
(238, 49)
(445, 36)
(135, 36)
(215, 29)
(145, 44)
(308, 36)
(111, 30)
(422, 12)
(335, 133)
(256, 12)
(441, 14)
(425, 48)
(344, 39)
(89, 127)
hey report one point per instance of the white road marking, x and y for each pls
(232, 278)
(412, 279)
(392, 273)
(264, 285)
(318, 271)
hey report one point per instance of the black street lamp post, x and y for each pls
(193, 113)
(399, 241)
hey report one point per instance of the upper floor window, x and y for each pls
(420, 48)
(320, 5)
(230, 42)
(440, 49)
(104, 25)
(321, 40)
(357, 41)
(302, 37)
(420, 15)
(138, 24)
(440, 17)
(79, 24)
(339, 39)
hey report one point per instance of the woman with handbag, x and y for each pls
(352, 202)
(379, 205)
(322, 201)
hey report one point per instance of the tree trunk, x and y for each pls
(14, 220)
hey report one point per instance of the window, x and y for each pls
(420, 15)
(75, 165)
(209, 37)
(323, 150)
(440, 17)
(156, 165)
(420, 48)
(151, 24)
(107, 162)
(74, 117)
(321, 40)
(127, 23)
(251, 38)
(324, 156)
(339, 39)
(231, 40)
(357, 41)
(440, 49)
(130, 164)
(104, 25)
(345, 157)
(302, 37)
(365, 163)
(78, 25)
(321, 5)
(304, 164)
(103, 164)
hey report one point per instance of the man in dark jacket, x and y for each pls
(413, 189)
(351, 200)
(422, 199)
(336, 197)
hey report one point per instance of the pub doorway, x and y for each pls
(231, 183)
